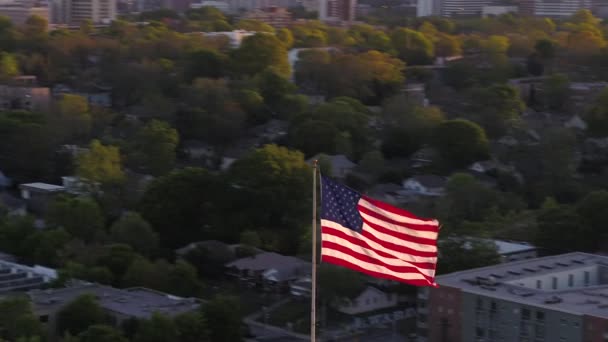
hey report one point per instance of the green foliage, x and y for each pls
(557, 92)
(412, 46)
(497, 108)
(192, 327)
(79, 216)
(43, 247)
(223, 319)
(259, 52)
(205, 63)
(158, 328)
(180, 204)
(461, 142)
(253, 25)
(463, 254)
(560, 229)
(250, 238)
(79, 315)
(18, 320)
(153, 149)
(338, 283)
(101, 164)
(597, 116)
(101, 333)
(273, 86)
(286, 37)
(9, 67)
(133, 230)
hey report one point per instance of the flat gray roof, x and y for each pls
(43, 186)
(134, 302)
(500, 282)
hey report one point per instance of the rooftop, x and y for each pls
(266, 261)
(43, 187)
(527, 282)
(133, 302)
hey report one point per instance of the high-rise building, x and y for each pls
(427, 8)
(550, 299)
(555, 8)
(337, 10)
(466, 8)
(74, 12)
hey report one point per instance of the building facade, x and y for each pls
(427, 8)
(555, 8)
(337, 10)
(463, 8)
(278, 17)
(554, 299)
(74, 12)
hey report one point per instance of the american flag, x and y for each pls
(376, 238)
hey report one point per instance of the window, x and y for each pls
(479, 304)
(44, 318)
(586, 278)
(562, 322)
(493, 307)
(540, 316)
(570, 280)
(539, 284)
(525, 314)
(554, 283)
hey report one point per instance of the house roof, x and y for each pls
(43, 187)
(134, 302)
(266, 261)
(429, 181)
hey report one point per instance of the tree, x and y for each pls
(458, 254)
(44, 247)
(158, 328)
(497, 108)
(591, 210)
(273, 86)
(412, 46)
(286, 37)
(180, 204)
(18, 320)
(372, 162)
(557, 91)
(183, 280)
(79, 315)
(560, 229)
(133, 230)
(597, 116)
(314, 136)
(9, 67)
(192, 327)
(153, 149)
(254, 25)
(205, 63)
(461, 142)
(79, 216)
(250, 238)
(278, 180)
(259, 52)
(101, 164)
(224, 319)
(338, 283)
(101, 333)
(74, 117)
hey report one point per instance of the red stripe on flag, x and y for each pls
(344, 263)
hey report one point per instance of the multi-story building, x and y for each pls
(463, 8)
(274, 16)
(15, 277)
(18, 11)
(427, 8)
(337, 10)
(74, 12)
(555, 8)
(553, 299)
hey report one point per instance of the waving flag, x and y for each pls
(376, 238)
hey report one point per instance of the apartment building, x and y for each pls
(74, 12)
(337, 10)
(464, 8)
(555, 8)
(277, 17)
(553, 299)
(427, 8)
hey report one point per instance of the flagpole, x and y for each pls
(313, 297)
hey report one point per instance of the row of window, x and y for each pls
(554, 281)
